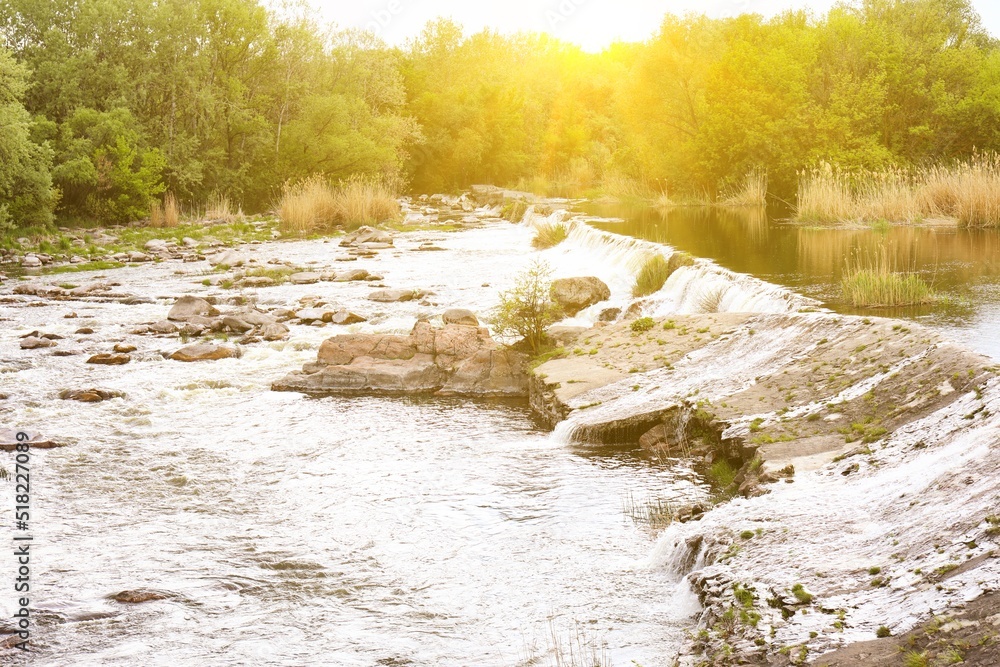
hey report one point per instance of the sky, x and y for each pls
(593, 24)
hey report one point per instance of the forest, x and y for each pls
(108, 106)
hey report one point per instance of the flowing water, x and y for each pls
(349, 531)
(963, 265)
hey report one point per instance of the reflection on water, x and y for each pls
(961, 264)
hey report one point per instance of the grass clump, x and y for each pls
(801, 594)
(883, 632)
(873, 282)
(549, 236)
(314, 204)
(164, 214)
(643, 324)
(651, 276)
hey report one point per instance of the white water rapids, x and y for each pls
(346, 531)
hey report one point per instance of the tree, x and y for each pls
(527, 310)
(26, 194)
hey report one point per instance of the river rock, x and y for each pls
(367, 236)
(236, 324)
(163, 327)
(274, 331)
(345, 317)
(455, 359)
(9, 440)
(31, 262)
(351, 276)
(460, 316)
(136, 256)
(204, 352)
(392, 295)
(187, 307)
(255, 317)
(108, 359)
(84, 331)
(309, 315)
(89, 395)
(575, 294)
(31, 343)
(228, 258)
(305, 278)
(122, 348)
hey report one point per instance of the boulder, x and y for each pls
(204, 352)
(84, 331)
(122, 348)
(308, 315)
(392, 295)
(575, 294)
(255, 317)
(235, 324)
(227, 258)
(274, 331)
(108, 359)
(656, 439)
(456, 359)
(460, 316)
(31, 262)
(188, 307)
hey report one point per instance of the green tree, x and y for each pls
(527, 310)
(26, 194)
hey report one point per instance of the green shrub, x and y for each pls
(549, 236)
(526, 310)
(643, 324)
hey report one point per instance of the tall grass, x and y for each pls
(164, 214)
(549, 236)
(871, 281)
(316, 205)
(752, 191)
(651, 276)
(220, 208)
(966, 191)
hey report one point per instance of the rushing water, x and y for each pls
(961, 264)
(336, 531)
(374, 531)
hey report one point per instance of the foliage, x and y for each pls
(526, 310)
(232, 98)
(26, 195)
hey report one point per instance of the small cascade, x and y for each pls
(703, 287)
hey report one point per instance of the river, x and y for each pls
(341, 531)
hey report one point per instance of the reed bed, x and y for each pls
(872, 281)
(967, 191)
(752, 191)
(315, 204)
(220, 208)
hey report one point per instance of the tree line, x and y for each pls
(106, 105)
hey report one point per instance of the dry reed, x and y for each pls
(751, 192)
(315, 205)
(967, 191)
(164, 214)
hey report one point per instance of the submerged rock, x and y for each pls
(31, 343)
(89, 395)
(393, 295)
(139, 596)
(9, 440)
